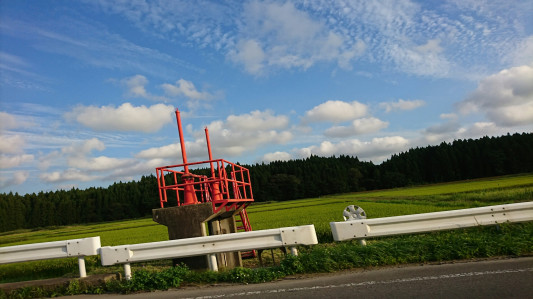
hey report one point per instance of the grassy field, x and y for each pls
(317, 211)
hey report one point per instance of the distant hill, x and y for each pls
(283, 180)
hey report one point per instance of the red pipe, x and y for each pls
(189, 192)
(182, 142)
(215, 186)
(209, 151)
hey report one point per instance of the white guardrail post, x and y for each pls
(417, 223)
(209, 245)
(52, 250)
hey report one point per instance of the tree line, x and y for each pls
(283, 180)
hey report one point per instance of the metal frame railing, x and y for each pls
(232, 183)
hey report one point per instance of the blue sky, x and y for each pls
(88, 88)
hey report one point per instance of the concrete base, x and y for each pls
(190, 221)
(220, 226)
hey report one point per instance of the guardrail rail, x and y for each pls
(445, 220)
(52, 250)
(209, 245)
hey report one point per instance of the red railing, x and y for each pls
(228, 186)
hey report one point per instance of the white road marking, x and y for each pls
(372, 282)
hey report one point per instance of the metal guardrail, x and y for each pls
(209, 245)
(52, 250)
(417, 223)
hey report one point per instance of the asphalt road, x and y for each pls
(502, 278)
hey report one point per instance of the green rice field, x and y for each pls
(318, 211)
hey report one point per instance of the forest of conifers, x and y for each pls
(283, 180)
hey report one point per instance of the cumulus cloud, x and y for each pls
(10, 161)
(448, 127)
(82, 165)
(124, 118)
(139, 168)
(335, 111)
(70, 174)
(17, 178)
(377, 150)
(357, 127)
(136, 86)
(11, 144)
(246, 132)
(12, 152)
(100, 163)
(167, 151)
(401, 105)
(196, 150)
(453, 130)
(78, 156)
(257, 121)
(233, 136)
(83, 148)
(251, 55)
(185, 88)
(505, 98)
(276, 156)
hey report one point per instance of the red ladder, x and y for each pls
(243, 225)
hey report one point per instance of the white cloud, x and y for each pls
(12, 151)
(451, 39)
(432, 46)
(70, 174)
(251, 55)
(196, 150)
(17, 178)
(78, 157)
(523, 54)
(10, 161)
(101, 163)
(12, 59)
(187, 89)
(479, 129)
(124, 118)
(377, 150)
(136, 85)
(450, 116)
(7, 121)
(139, 168)
(448, 127)
(401, 105)
(167, 151)
(276, 35)
(257, 121)
(506, 98)
(136, 88)
(232, 137)
(335, 111)
(276, 156)
(84, 148)
(453, 130)
(358, 127)
(11, 144)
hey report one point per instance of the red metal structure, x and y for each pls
(228, 186)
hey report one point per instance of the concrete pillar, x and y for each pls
(188, 221)
(226, 225)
